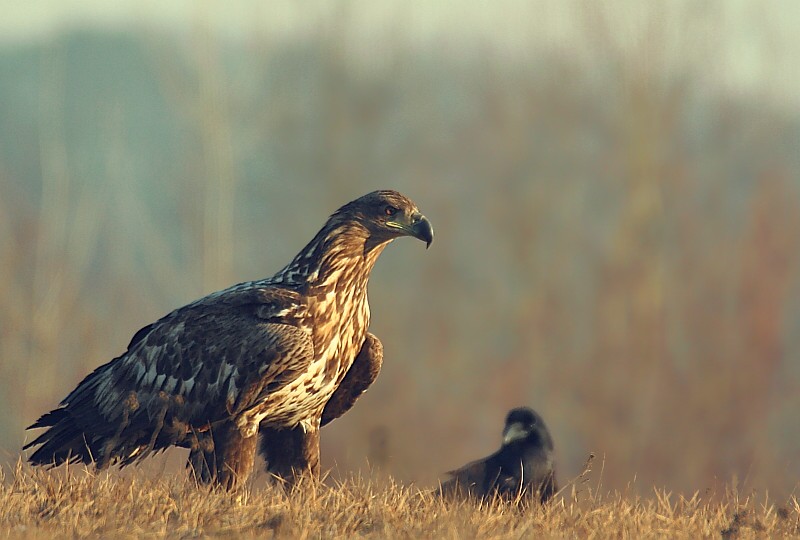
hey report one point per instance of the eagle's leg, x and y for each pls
(226, 457)
(291, 453)
(235, 455)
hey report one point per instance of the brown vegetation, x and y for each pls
(78, 504)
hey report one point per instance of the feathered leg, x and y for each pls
(224, 457)
(235, 456)
(291, 453)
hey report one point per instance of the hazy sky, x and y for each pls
(742, 46)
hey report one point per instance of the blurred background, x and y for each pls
(615, 189)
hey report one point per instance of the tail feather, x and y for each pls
(81, 434)
(63, 442)
(96, 425)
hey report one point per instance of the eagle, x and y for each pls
(281, 356)
(524, 465)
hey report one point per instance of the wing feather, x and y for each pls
(197, 365)
(471, 478)
(359, 378)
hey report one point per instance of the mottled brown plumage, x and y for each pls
(524, 466)
(290, 452)
(265, 354)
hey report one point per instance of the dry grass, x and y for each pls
(77, 503)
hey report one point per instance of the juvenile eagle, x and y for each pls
(265, 354)
(524, 465)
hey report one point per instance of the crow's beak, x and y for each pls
(514, 432)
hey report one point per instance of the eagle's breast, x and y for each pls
(339, 315)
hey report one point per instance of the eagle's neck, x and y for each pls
(339, 259)
(333, 271)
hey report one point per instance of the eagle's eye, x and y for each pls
(390, 210)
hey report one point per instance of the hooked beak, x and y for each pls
(514, 432)
(419, 227)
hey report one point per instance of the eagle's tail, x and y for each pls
(78, 431)
(63, 442)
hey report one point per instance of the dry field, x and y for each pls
(77, 503)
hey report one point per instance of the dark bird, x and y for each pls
(261, 355)
(524, 465)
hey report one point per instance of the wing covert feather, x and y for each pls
(209, 359)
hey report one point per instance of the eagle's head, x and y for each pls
(524, 425)
(386, 215)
